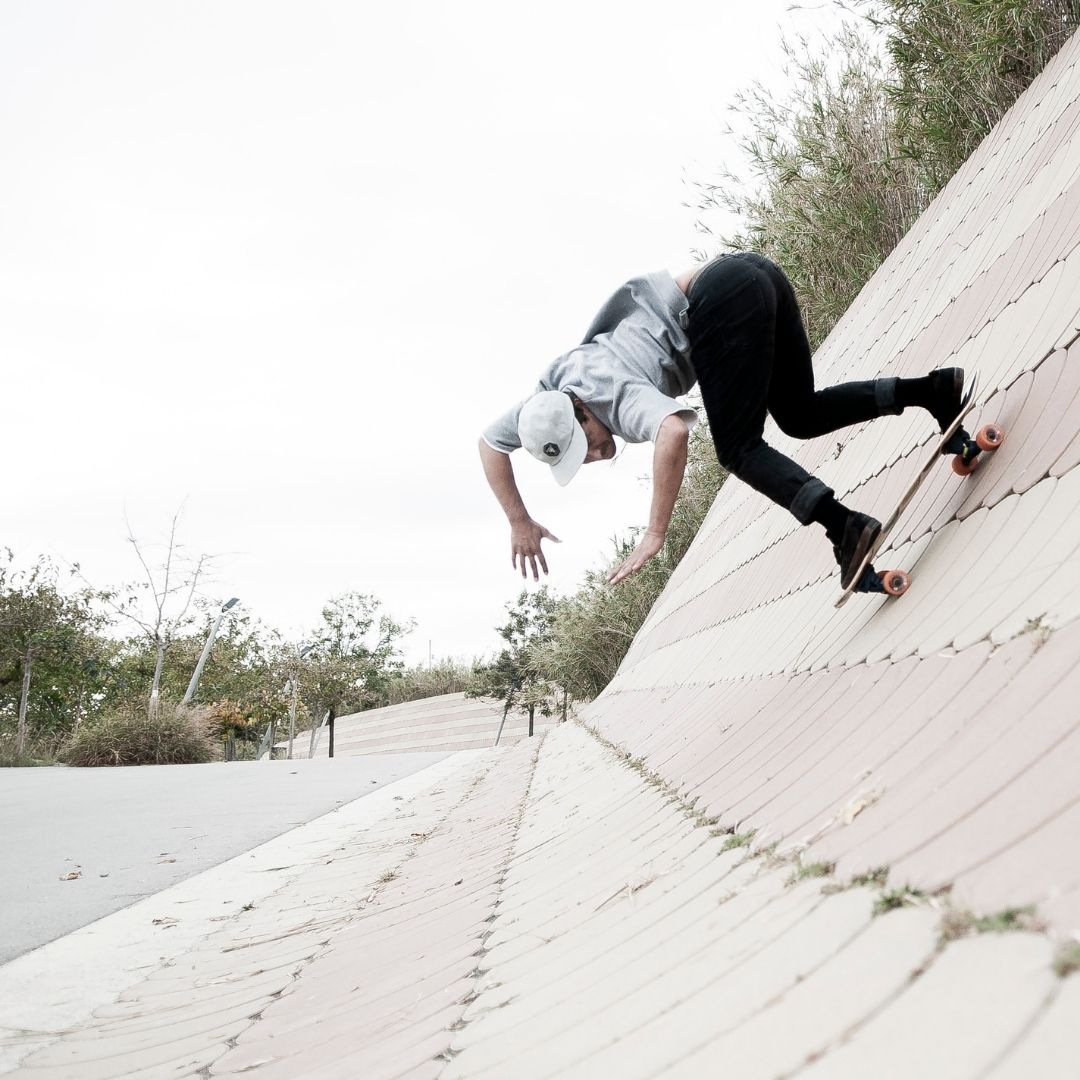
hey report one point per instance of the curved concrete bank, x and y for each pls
(448, 722)
(787, 841)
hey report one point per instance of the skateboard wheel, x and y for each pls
(896, 582)
(962, 467)
(990, 437)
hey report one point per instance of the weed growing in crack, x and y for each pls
(810, 870)
(957, 923)
(387, 876)
(871, 879)
(905, 896)
(1067, 959)
(737, 840)
(1039, 631)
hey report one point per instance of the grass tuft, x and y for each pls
(958, 923)
(905, 896)
(810, 870)
(738, 840)
(1067, 960)
(875, 878)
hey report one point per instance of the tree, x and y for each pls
(353, 657)
(169, 590)
(515, 677)
(47, 633)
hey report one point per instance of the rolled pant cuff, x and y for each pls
(806, 499)
(885, 396)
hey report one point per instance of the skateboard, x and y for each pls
(966, 451)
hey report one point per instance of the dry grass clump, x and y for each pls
(876, 123)
(173, 738)
(413, 684)
(959, 64)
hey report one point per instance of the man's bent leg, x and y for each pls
(733, 329)
(733, 319)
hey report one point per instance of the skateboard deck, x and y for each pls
(967, 403)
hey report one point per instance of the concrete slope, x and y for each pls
(935, 735)
(786, 841)
(445, 723)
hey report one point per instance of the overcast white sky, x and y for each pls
(284, 261)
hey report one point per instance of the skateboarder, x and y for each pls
(734, 327)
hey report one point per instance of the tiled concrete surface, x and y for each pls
(554, 913)
(446, 723)
(786, 841)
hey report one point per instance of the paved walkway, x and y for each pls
(127, 833)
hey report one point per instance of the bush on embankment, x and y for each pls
(592, 629)
(173, 737)
(445, 676)
(874, 124)
(871, 128)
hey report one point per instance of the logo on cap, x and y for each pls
(551, 449)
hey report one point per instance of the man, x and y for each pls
(734, 327)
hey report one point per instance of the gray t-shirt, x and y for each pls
(632, 364)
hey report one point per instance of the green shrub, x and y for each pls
(36, 752)
(592, 629)
(414, 683)
(132, 739)
(958, 65)
(839, 169)
(828, 194)
(874, 125)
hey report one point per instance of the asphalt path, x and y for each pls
(79, 844)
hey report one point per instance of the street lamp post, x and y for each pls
(189, 696)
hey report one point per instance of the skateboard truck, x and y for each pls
(967, 449)
(890, 582)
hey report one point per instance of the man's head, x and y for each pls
(561, 431)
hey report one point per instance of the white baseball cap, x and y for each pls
(550, 432)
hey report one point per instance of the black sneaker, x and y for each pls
(946, 395)
(860, 532)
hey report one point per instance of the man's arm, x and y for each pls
(525, 534)
(669, 464)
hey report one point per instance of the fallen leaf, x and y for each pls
(72, 876)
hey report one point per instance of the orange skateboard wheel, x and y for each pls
(962, 467)
(896, 582)
(990, 437)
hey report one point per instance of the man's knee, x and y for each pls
(732, 455)
(798, 423)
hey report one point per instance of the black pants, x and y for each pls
(751, 357)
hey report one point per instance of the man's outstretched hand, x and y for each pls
(648, 546)
(525, 545)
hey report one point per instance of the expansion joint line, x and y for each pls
(337, 921)
(479, 973)
(664, 787)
